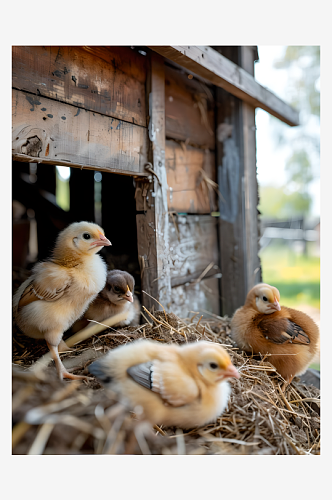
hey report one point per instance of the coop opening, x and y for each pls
(47, 198)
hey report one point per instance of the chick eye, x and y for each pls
(214, 366)
(116, 289)
(86, 236)
(265, 299)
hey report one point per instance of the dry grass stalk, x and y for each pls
(70, 418)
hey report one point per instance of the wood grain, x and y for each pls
(62, 134)
(197, 297)
(151, 198)
(187, 190)
(107, 80)
(193, 245)
(157, 133)
(189, 109)
(195, 277)
(209, 64)
(232, 236)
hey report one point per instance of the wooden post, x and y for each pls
(231, 205)
(151, 198)
(248, 127)
(236, 157)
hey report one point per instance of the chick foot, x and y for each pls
(64, 374)
(62, 371)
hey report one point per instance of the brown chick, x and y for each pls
(176, 385)
(263, 326)
(62, 287)
(115, 298)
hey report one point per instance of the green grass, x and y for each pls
(297, 277)
(315, 366)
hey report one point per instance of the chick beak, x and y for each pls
(276, 305)
(102, 242)
(230, 371)
(129, 296)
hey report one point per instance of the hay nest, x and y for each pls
(54, 417)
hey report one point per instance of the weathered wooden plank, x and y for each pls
(189, 109)
(22, 158)
(253, 265)
(157, 135)
(107, 80)
(196, 277)
(61, 134)
(151, 199)
(188, 190)
(231, 206)
(147, 256)
(199, 297)
(193, 245)
(209, 64)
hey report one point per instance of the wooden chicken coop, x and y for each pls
(172, 131)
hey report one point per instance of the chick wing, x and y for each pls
(48, 283)
(169, 380)
(282, 330)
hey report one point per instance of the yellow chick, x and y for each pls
(184, 386)
(61, 288)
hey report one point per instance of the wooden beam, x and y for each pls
(209, 64)
(48, 131)
(45, 161)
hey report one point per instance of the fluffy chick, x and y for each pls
(62, 287)
(263, 326)
(116, 297)
(184, 386)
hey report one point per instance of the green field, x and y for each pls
(297, 277)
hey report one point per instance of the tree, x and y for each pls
(281, 203)
(303, 64)
(302, 166)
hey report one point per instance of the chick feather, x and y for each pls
(115, 298)
(176, 385)
(61, 288)
(288, 335)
